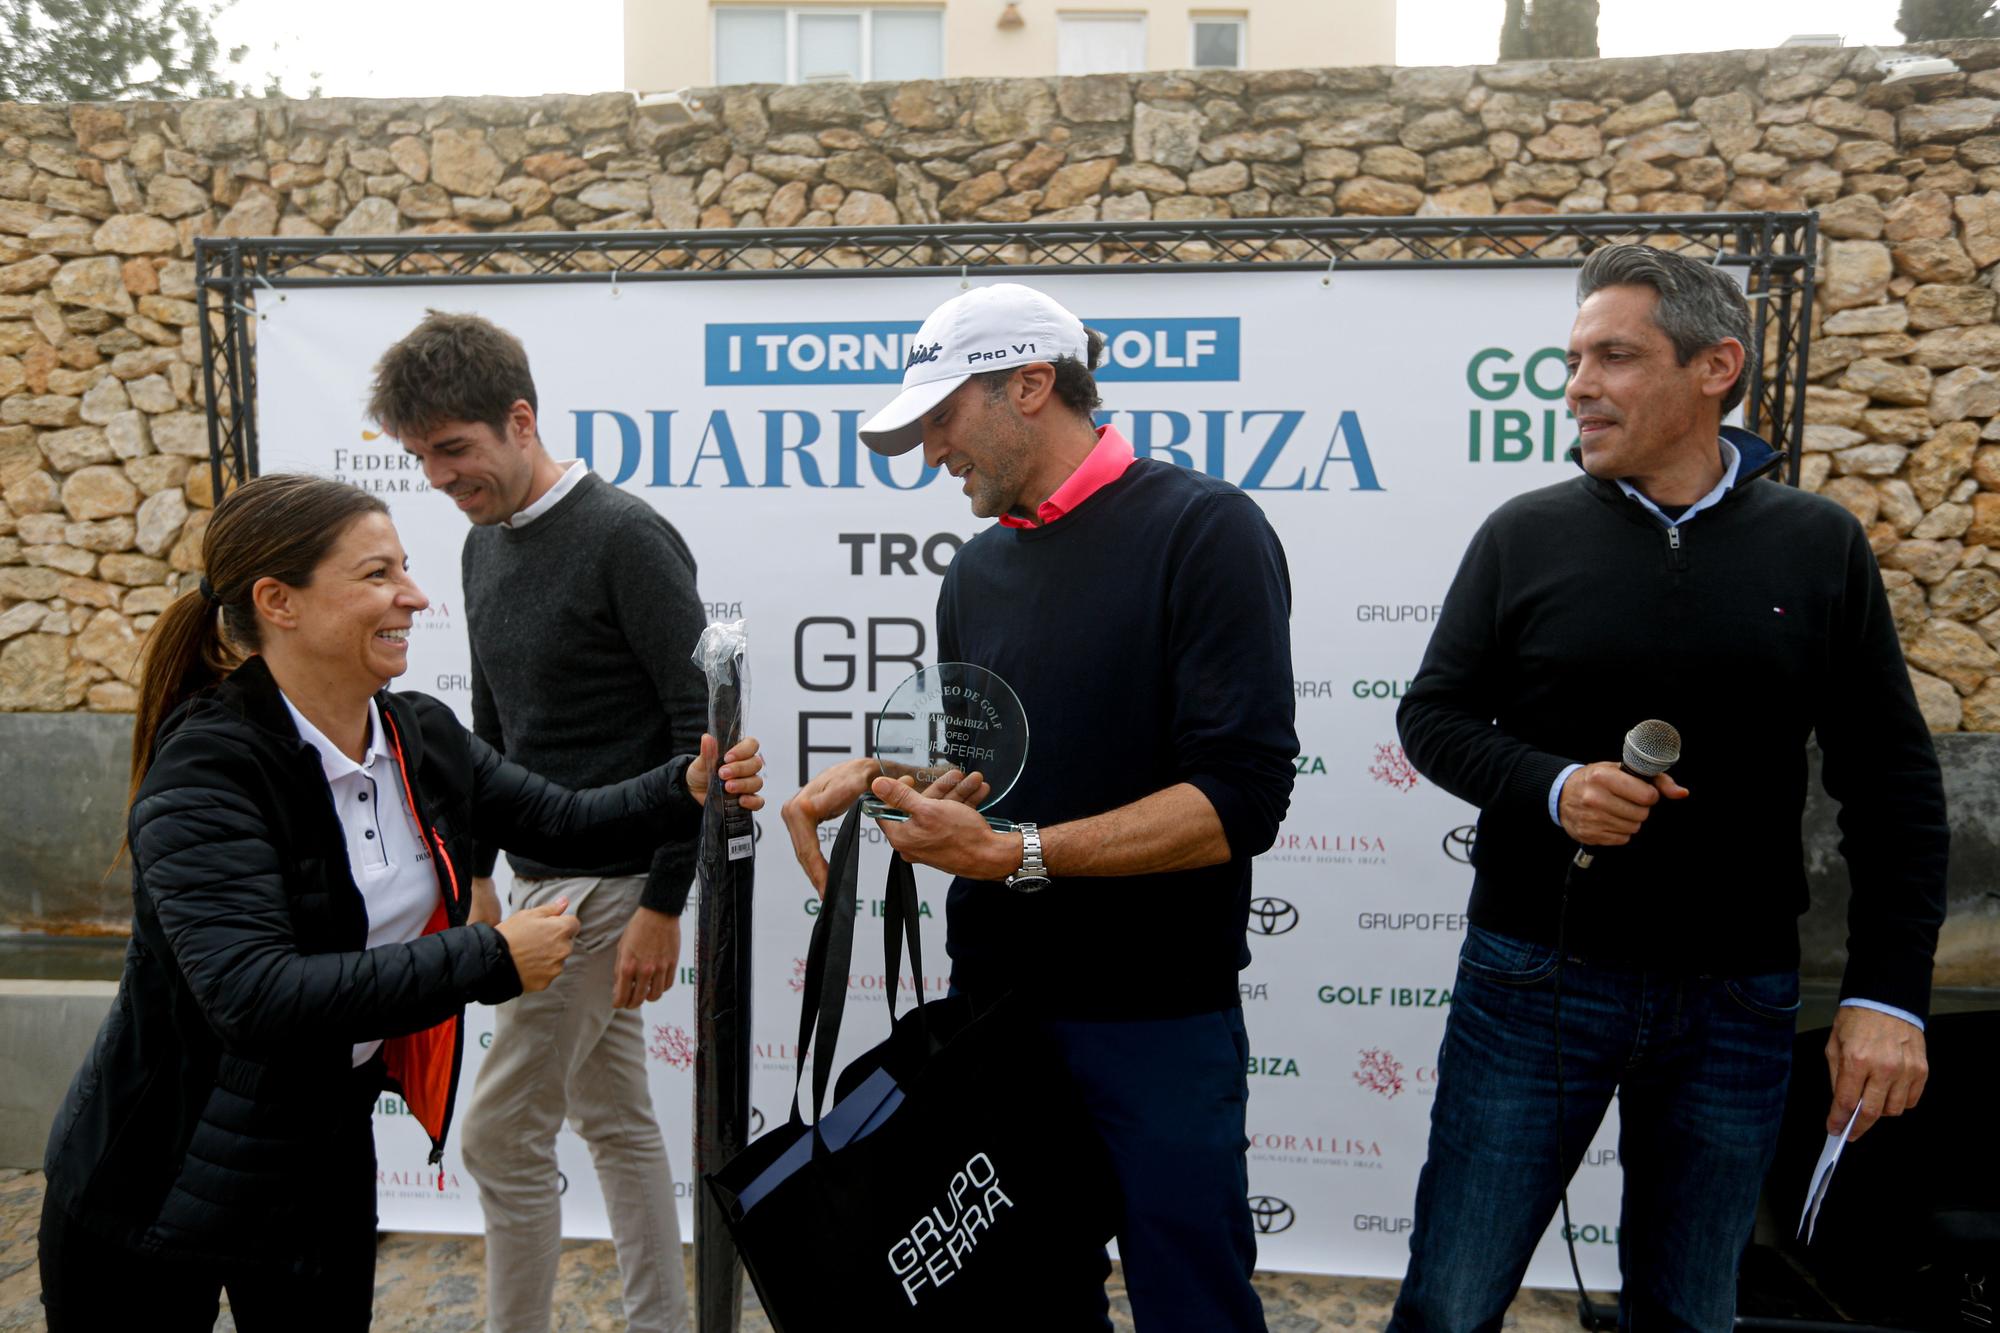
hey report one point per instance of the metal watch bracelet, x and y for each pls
(1033, 874)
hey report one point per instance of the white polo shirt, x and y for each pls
(391, 865)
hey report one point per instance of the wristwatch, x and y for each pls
(1032, 875)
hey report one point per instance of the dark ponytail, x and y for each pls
(278, 527)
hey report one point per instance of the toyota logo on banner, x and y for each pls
(1458, 843)
(1272, 916)
(1270, 1214)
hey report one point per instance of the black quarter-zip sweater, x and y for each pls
(1758, 624)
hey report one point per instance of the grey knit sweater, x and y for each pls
(581, 624)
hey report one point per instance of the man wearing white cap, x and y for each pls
(1140, 611)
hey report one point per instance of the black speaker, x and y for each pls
(1909, 1233)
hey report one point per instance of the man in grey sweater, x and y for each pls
(581, 608)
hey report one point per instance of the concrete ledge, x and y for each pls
(1969, 944)
(65, 776)
(46, 1028)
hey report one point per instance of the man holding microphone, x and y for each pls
(1669, 582)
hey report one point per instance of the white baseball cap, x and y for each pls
(988, 328)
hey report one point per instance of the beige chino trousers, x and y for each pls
(565, 1051)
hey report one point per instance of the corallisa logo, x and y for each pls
(1379, 1072)
(672, 1044)
(436, 616)
(1315, 1148)
(1328, 849)
(1392, 768)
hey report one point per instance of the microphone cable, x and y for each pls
(1588, 1313)
(1651, 748)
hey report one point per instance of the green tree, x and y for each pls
(1549, 30)
(112, 50)
(1935, 20)
(1516, 42)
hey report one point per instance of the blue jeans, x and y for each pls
(1169, 1096)
(1699, 1066)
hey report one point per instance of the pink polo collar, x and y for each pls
(1106, 464)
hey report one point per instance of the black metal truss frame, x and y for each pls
(1776, 251)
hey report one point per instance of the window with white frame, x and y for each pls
(1100, 43)
(774, 44)
(1218, 42)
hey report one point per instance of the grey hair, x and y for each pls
(1699, 304)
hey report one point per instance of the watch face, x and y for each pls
(1027, 883)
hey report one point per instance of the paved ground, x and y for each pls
(432, 1284)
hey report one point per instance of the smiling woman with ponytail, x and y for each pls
(277, 527)
(299, 835)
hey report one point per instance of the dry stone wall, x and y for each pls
(104, 492)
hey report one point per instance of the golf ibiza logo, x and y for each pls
(1380, 1072)
(1541, 428)
(1395, 997)
(1270, 1214)
(672, 1045)
(1392, 768)
(944, 1237)
(1592, 1233)
(1458, 843)
(1272, 916)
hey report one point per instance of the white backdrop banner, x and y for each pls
(1377, 419)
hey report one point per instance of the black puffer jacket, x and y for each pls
(197, 1123)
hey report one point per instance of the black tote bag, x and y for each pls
(956, 1183)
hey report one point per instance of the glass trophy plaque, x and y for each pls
(952, 715)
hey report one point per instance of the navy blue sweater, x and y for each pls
(1147, 634)
(1763, 621)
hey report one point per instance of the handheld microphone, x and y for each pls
(1651, 748)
